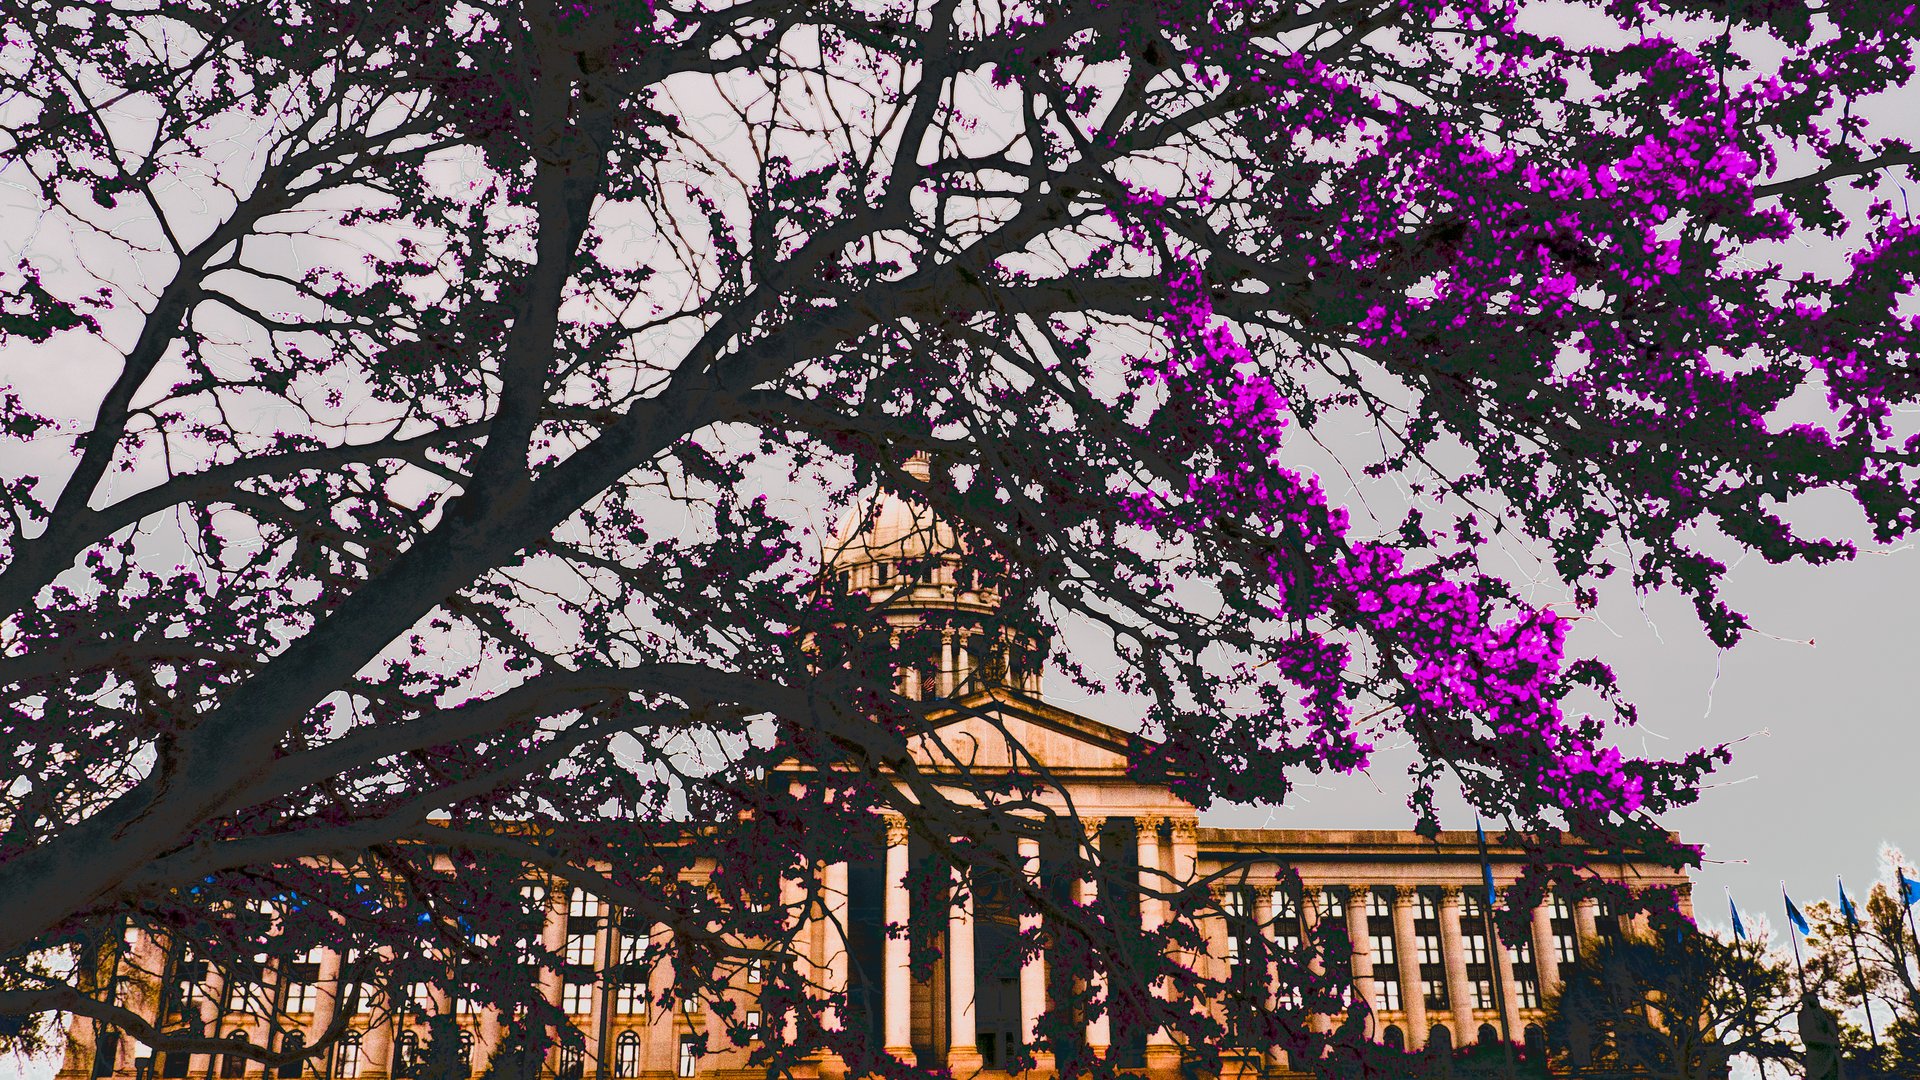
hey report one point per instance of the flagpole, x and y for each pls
(1797, 967)
(1496, 959)
(1853, 935)
(1901, 872)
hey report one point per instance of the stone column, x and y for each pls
(376, 1047)
(554, 936)
(793, 906)
(1161, 1052)
(1100, 1028)
(899, 990)
(1316, 963)
(1406, 946)
(1586, 929)
(326, 996)
(1263, 918)
(833, 891)
(1151, 879)
(946, 663)
(1033, 969)
(1459, 991)
(963, 1050)
(662, 1052)
(1546, 961)
(1360, 934)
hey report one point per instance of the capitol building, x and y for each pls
(1422, 958)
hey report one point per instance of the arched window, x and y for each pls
(233, 1066)
(406, 1054)
(573, 1064)
(349, 1060)
(466, 1053)
(295, 1044)
(626, 1056)
(1486, 1036)
(1440, 1040)
(1536, 1042)
(1393, 1038)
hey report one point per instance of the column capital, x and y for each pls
(1358, 891)
(1149, 822)
(1091, 825)
(1403, 895)
(1186, 830)
(1450, 897)
(896, 828)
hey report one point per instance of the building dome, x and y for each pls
(899, 530)
(903, 560)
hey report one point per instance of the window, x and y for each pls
(420, 995)
(233, 1066)
(756, 971)
(582, 904)
(174, 1064)
(296, 1044)
(1284, 906)
(689, 1004)
(1429, 949)
(466, 1052)
(1332, 904)
(1233, 952)
(580, 948)
(1378, 906)
(626, 1056)
(753, 1021)
(1383, 949)
(633, 946)
(1470, 904)
(349, 1060)
(630, 999)
(406, 1053)
(572, 1062)
(576, 998)
(1233, 904)
(301, 990)
(1388, 990)
(689, 1055)
(1475, 946)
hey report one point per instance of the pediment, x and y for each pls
(1002, 730)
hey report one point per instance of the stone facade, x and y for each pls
(1420, 950)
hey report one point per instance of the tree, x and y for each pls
(426, 368)
(1684, 1008)
(1878, 972)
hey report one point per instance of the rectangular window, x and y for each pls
(633, 946)
(582, 904)
(1332, 904)
(689, 1004)
(1378, 906)
(576, 998)
(1388, 991)
(1383, 950)
(580, 948)
(1470, 904)
(1233, 952)
(300, 994)
(1284, 906)
(630, 999)
(756, 971)
(1564, 949)
(1429, 949)
(1483, 993)
(1475, 946)
(1527, 990)
(420, 996)
(753, 1021)
(1233, 903)
(689, 1055)
(1434, 990)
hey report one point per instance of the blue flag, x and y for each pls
(1846, 906)
(1739, 928)
(1798, 920)
(1909, 888)
(1486, 868)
